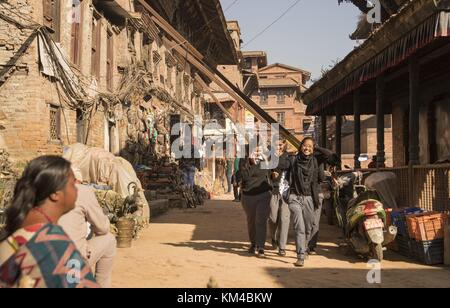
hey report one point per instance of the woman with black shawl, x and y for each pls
(306, 174)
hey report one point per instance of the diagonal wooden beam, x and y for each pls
(193, 56)
(210, 93)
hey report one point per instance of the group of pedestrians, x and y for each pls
(291, 191)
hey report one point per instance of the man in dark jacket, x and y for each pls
(323, 157)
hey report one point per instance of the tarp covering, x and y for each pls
(98, 166)
(436, 26)
(385, 183)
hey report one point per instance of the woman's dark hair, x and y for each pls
(306, 139)
(42, 177)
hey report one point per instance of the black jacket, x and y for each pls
(321, 156)
(254, 180)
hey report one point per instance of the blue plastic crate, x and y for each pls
(399, 219)
(429, 252)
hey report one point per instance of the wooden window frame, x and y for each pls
(96, 44)
(53, 108)
(279, 99)
(305, 121)
(51, 14)
(283, 115)
(76, 40)
(110, 61)
(264, 97)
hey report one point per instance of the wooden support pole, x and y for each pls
(231, 90)
(380, 101)
(414, 147)
(338, 134)
(357, 127)
(193, 56)
(323, 131)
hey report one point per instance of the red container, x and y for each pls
(427, 227)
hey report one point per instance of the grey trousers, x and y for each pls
(302, 213)
(257, 210)
(316, 227)
(279, 220)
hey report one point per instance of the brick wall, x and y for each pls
(26, 95)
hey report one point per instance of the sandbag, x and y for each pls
(101, 167)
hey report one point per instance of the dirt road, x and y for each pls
(184, 248)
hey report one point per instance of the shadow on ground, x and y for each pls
(352, 278)
(224, 230)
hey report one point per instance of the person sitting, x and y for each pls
(48, 257)
(101, 248)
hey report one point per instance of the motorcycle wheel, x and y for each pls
(377, 251)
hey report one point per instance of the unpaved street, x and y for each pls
(184, 248)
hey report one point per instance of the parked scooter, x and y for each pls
(362, 216)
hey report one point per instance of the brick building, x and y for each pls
(278, 93)
(101, 73)
(368, 139)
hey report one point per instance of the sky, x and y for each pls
(312, 35)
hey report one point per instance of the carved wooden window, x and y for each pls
(55, 123)
(156, 66)
(75, 32)
(96, 44)
(110, 61)
(187, 83)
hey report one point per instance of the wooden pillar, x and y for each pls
(338, 133)
(357, 127)
(414, 112)
(432, 139)
(380, 101)
(323, 131)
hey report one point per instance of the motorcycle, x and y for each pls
(362, 216)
